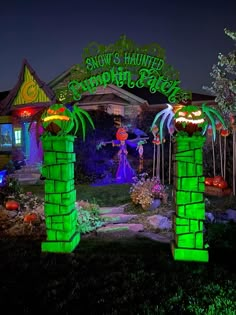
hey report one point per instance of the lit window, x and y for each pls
(18, 136)
(116, 110)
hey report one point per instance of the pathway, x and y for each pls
(118, 224)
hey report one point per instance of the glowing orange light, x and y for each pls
(54, 117)
(25, 113)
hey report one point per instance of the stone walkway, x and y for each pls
(117, 225)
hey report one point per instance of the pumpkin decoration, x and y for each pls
(224, 132)
(59, 120)
(189, 119)
(12, 205)
(223, 184)
(30, 217)
(217, 180)
(209, 181)
(56, 118)
(218, 125)
(209, 130)
(121, 134)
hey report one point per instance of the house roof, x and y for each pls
(7, 101)
(102, 98)
(3, 95)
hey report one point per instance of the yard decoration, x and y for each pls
(223, 184)
(125, 172)
(189, 119)
(59, 120)
(140, 152)
(209, 181)
(60, 125)
(30, 217)
(12, 205)
(217, 180)
(191, 123)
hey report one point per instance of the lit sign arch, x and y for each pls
(124, 63)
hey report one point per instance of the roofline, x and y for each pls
(48, 91)
(62, 76)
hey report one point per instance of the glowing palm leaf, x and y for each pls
(163, 115)
(209, 113)
(80, 112)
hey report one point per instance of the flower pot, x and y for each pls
(154, 205)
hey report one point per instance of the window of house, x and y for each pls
(5, 137)
(117, 110)
(17, 132)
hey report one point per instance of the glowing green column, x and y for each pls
(189, 200)
(60, 194)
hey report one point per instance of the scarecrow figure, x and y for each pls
(125, 172)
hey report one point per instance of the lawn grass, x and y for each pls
(128, 276)
(110, 195)
(125, 276)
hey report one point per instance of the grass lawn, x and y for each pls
(114, 277)
(124, 276)
(110, 195)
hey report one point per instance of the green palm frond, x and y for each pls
(80, 113)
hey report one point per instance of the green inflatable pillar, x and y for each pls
(60, 194)
(189, 199)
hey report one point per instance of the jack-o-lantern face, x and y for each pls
(189, 119)
(57, 118)
(121, 134)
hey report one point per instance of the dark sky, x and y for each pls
(52, 35)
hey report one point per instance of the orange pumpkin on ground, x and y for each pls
(12, 205)
(209, 181)
(217, 180)
(30, 217)
(223, 184)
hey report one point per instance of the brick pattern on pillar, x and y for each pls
(189, 189)
(60, 195)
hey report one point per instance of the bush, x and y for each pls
(12, 187)
(88, 217)
(144, 190)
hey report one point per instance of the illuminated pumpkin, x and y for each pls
(218, 125)
(217, 180)
(59, 120)
(223, 184)
(30, 217)
(121, 134)
(209, 181)
(12, 205)
(224, 132)
(189, 119)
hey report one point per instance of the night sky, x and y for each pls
(52, 35)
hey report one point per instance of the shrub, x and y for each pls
(88, 217)
(12, 187)
(144, 190)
